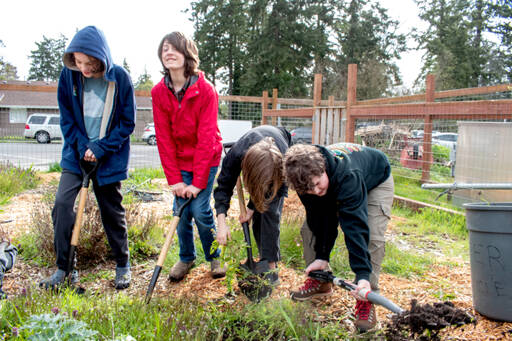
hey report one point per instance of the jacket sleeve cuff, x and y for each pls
(362, 275)
(221, 210)
(250, 205)
(96, 149)
(322, 256)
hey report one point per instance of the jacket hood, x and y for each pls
(335, 168)
(91, 41)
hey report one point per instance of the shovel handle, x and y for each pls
(170, 233)
(241, 199)
(245, 226)
(79, 216)
(88, 169)
(327, 276)
(165, 248)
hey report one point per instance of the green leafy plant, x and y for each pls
(14, 180)
(55, 167)
(55, 327)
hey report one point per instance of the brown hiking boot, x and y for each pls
(179, 270)
(216, 270)
(366, 318)
(312, 288)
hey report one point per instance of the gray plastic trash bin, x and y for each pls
(490, 247)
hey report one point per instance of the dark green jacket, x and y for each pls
(353, 171)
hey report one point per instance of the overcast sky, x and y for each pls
(133, 29)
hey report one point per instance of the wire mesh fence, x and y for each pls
(464, 148)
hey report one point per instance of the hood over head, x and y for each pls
(92, 42)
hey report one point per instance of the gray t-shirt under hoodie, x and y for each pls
(95, 93)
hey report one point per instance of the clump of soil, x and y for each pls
(423, 322)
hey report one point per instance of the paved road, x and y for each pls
(41, 156)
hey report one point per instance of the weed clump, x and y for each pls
(93, 248)
(14, 180)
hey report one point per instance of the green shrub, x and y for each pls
(441, 154)
(55, 327)
(143, 234)
(14, 180)
(55, 168)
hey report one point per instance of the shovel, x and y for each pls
(327, 276)
(88, 169)
(165, 248)
(251, 281)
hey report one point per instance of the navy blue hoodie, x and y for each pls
(113, 149)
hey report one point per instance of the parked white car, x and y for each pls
(230, 130)
(448, 140)
(43, 127)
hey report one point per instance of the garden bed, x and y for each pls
(198, 284)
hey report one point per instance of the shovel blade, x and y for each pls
(256, 268)
(152, 283)
(252, 280)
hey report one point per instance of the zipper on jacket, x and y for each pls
(111, 118)
(82, 98)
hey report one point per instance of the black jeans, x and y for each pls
(112, 213)
(265, 227)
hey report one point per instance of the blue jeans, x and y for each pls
(201, 210)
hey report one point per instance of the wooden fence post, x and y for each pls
(427, 130)
(351, 100)
(317, 99)
(274, 106)
(264, 107)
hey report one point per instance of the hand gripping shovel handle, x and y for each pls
(88, 169)
(245, 226)
(325, 276)
(165, 248)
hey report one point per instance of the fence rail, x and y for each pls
(384, 123)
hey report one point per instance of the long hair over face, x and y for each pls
(262, 171)
(185, 46)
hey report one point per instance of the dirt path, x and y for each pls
(426, 289)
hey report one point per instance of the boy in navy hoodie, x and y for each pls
(349, 185)
(97, 116)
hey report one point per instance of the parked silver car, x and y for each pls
(149, 135)
(43, 127)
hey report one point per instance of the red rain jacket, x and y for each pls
(188, 137)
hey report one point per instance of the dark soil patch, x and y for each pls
(423, 322)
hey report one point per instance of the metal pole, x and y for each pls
(455, 186)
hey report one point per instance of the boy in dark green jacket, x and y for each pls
(349, 185)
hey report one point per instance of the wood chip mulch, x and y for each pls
(455, 280)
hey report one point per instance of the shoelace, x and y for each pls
(363, 309)
(310, 283)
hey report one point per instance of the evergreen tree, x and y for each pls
(368, 37)
(280, 50)
(221, 38)
(7, 70)
(501, 19)
(256, 45)
(144, 81)
(46, 61)
(458, 50)
(126, 66)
